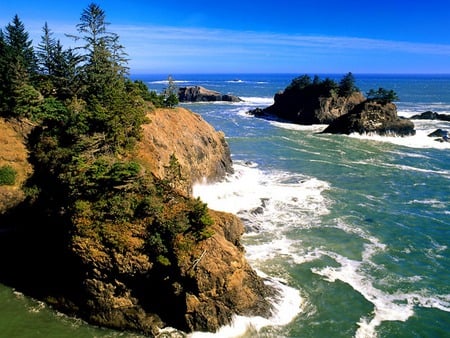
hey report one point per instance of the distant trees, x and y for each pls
(382, 95)
(170, 93)
(347, 85)
(327, 87)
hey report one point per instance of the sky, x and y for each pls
(293, 36)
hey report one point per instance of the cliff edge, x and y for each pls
(156, 258)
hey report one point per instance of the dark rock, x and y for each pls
(372, 117)
(429, 115)
(438, 133)
(305, 107)
(201, 94)
(442, 135)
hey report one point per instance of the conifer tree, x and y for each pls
(347, 85)
(112, 110)
(18, 68)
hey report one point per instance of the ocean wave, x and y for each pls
(255, 100)
(290, 303)
(398, 306)
(270, 204)
(421, 140)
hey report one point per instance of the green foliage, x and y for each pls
(89, 118)
(347, 85)
(382, 95)
(7, 175)
(303, 85)
(173, 177)
(27, 101)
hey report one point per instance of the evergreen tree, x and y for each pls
(112, 109)
(18, 67)
(23, 61)
(347, 85)
(45, 51)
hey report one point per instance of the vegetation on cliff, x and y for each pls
(98, 234)
(342, 106)
(309, 100)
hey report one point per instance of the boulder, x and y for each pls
(372, 117)
(201, 94)
(442, 135)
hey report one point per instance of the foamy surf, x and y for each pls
(398, 306)
(269, 203)
(286, 307)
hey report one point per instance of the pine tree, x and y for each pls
(347, 85)
(112, 109)
(23, 61)
(18, 68)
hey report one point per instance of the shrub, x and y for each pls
(7, 175)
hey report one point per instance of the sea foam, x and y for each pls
(269, 203)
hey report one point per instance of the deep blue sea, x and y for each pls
(354, 230)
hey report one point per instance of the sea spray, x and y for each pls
(269, 203)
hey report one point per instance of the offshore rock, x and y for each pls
(429, 115)
(372, 117)
(305, 108)
(201, 94)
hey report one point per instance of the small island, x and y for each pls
(341, 105)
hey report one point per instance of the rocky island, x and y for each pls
(202, 94)
(342, 106)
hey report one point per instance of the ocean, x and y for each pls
(354, 230)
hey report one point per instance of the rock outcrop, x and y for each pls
(309, 105)
(372, 117)
(429, 115)
(201, 94)
(440, 135)
(201, 150)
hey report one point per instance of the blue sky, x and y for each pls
(326, 36)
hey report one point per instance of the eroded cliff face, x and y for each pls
(106, 273)
(202, 151)
(372, 117)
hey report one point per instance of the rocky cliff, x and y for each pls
(372, 117)
(309, 107)
(201, 150)
(134, 271)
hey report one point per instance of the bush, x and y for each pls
(7, 175)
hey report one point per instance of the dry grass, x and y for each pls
(13, 152)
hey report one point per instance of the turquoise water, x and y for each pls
(355, 230)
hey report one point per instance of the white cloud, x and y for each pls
(183, 48)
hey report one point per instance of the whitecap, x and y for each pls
(287, 306)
